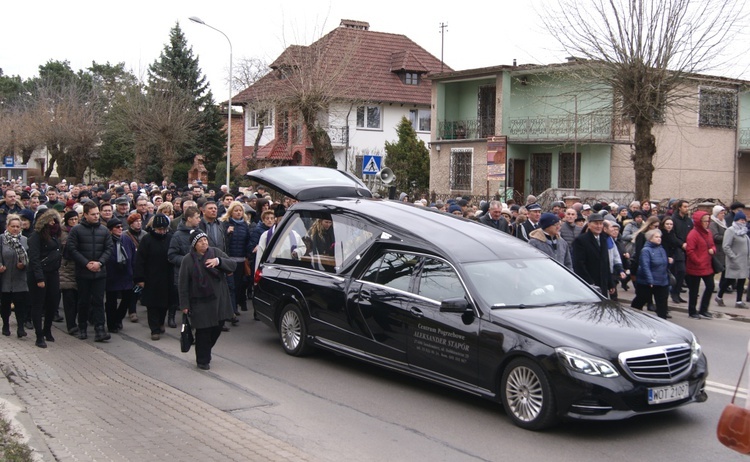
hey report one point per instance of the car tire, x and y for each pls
(527, 395)
(293, 331)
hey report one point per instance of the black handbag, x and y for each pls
(186, 334)
(717, 265)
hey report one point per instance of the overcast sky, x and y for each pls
(479, 33)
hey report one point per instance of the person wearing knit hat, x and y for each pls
(737, 253)
(154, 276)
(120, 266)
(455, 209)
(546, 238)
(717, 227)
(204, 293)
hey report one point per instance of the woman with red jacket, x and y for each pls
(699, 252)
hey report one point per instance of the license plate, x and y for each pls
(669, 393)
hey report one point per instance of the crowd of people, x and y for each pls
(103, 249)
(662, 252)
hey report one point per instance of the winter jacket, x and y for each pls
(237, 242)
(67, 266)
(45, 256)
(179, 246)
(13, 279)
(538, 240)
(717, 232)
(591, 261)
(570, 232)
(211, 311)
(699, 241)
(501, 224)
(120, 274)
(652, 266)
(736, 254)
(89, 242)
(154, 269)
(682, 227)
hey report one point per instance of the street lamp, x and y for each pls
(229, 105)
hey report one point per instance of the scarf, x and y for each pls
(122, 257)
(202, 278)
(721, 223)
(14, 242)
(739, 229)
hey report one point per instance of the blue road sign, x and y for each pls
(371, 164)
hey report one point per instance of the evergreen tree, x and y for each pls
(177, 67)
(409, 159)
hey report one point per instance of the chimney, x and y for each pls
(514, 62)
(352, 24)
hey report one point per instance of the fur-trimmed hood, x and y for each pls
(43, 219)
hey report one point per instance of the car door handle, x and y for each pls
(416, 311)
(365, 295)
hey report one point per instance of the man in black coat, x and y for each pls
(494, 217)
(89, 245)
(682, 226)
(591, 257)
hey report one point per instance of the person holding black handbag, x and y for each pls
(204, 293)
(45, 257)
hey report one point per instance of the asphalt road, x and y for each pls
(337, 409)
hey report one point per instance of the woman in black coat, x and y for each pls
(153, 273)
(43, 277)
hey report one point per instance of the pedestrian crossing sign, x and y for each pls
(371, 164)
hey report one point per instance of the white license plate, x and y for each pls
(669, 393)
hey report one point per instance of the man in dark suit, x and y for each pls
(494, 217)
(591, 258)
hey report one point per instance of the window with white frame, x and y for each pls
(369, 117)
(460, 168)
(718, 108)
(257, 116)
(420, 119)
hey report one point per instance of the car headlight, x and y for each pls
(695, 350)
(579, 361)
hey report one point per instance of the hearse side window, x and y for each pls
(438, 281)
(394, 269)
(329, 242)
(290, 247)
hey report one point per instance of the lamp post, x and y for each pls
(229, 105)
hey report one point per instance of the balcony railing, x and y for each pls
(465, 129)
(339, 135)
(599, 126)
(745, 138)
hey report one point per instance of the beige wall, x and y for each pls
(691, 161)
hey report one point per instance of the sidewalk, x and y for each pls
(728, 311)
(77, 402)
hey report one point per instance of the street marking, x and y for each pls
(727, 390)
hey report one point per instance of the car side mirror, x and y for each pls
(455, 305)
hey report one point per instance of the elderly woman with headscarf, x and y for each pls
(204, 293)
(13, 260)
(737, 258)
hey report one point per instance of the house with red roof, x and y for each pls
(361, 83)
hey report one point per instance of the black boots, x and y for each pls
(6, 329)
(171, 322)
(21, 332)
(82, 334)
(101, 334)
(40, 342)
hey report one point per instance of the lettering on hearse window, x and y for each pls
(441, 343)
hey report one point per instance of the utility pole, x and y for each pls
(443, 30)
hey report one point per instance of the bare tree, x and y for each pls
(644, 50)
(247, 71)
(165, 119)
(68, 120)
